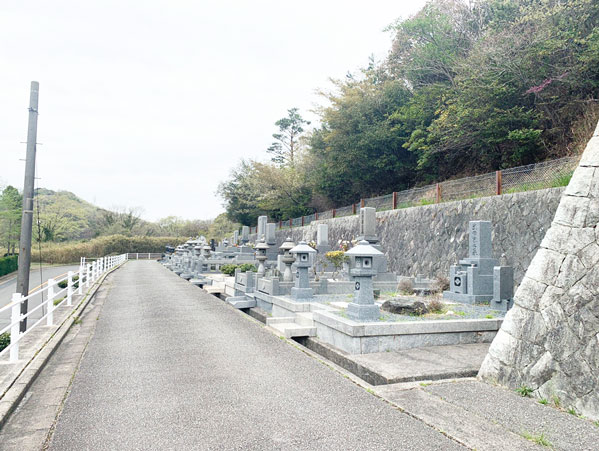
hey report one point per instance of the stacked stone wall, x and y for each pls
(428, 239)
(549, 340)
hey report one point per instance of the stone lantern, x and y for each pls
(187, 263)
(261, 249)
(287, 259)
(197, 252)
(206, 249)
(302, 289)
(179, 255)
(363, 307)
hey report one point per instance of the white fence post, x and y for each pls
(88, 275)
(50, 317)
(15, 319)
(70, 289)
(80, 284)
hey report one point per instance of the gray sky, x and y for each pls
(151, 103)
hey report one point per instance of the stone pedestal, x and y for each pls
(503, 288)
(363, 307)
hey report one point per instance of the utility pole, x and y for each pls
(27, 218)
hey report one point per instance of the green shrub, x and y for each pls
(64, 283)
(229, 269)
(8, 264)
(4, 340)
(248, 267)
(58, 300)
(98, 247)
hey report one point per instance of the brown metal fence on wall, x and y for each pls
(548, 174)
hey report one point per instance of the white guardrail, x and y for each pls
(88, 273)
(144, 256)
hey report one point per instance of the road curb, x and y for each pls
(13, 396)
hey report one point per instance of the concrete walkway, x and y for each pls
(156, 363)
(171, 367)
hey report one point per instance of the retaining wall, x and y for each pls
(428, 239)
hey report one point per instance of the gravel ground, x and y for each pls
(171, 367)
(452, 311)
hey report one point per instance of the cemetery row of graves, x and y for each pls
(348, 298)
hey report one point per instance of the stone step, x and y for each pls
(279, 320)
(304, 319)
(217, 289)
(241, 302)
(290, 330)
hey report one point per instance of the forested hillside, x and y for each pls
(466, 88)
(62, 217)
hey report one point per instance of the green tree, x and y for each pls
(11, 203)
(358, 151)
(467, 87)
(222, 227)
(240, 194)
(287, 142)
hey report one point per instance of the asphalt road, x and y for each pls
(7, 288)
(171, 367)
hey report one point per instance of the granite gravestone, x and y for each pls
(322, 239)
(368, 225)
(261, 229)
(322, 246)
(472, 280)
(245, 234)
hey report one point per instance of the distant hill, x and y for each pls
(61, 216)
(65, 217)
